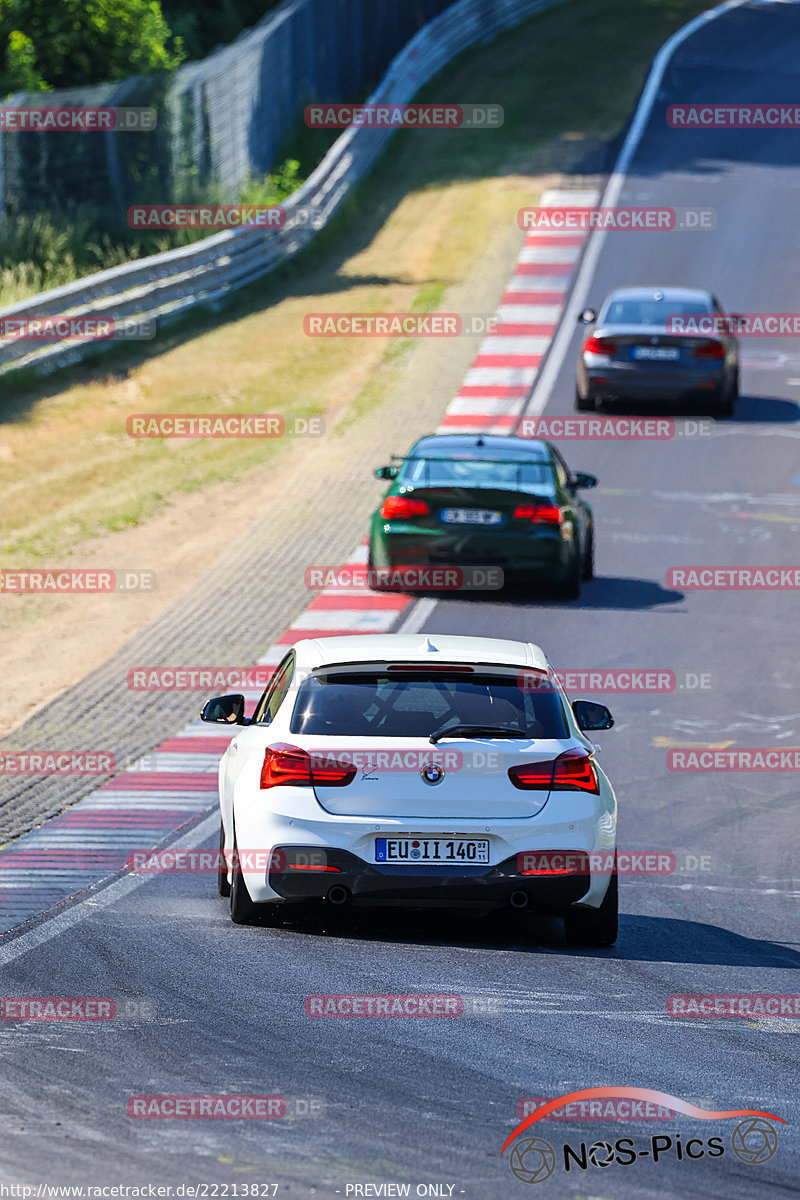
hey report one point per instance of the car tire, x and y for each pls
(584, 403)
(570, 589)
(243, 908)
(595, 926)
(373, 584)
(223, 887)
(588, 557)
(727, 400)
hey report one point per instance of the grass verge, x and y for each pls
(68, 471)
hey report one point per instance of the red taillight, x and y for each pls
(402, 507)
(574, 770)
(553, 862)
(533, 776)
(710, 351)
(310, 867)
(540, 514)
(599, 345)
(571, 771)
(289, 765)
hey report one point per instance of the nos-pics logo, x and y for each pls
(533, 1160)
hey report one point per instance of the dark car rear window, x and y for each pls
(364, 703)
(650, 312)
(525, 475)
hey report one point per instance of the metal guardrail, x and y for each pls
(162, 287)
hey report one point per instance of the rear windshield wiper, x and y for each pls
(502, 731)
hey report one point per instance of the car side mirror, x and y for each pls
(582, 479)
(592, 716)
(386, 473)
(587, 317)
(224, 710)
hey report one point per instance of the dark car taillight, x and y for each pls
(402, 507)
(710, 351)
(599, 345)
(571, 771)
(540, 514)
(290, 765)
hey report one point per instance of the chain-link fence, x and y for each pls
(220, 119)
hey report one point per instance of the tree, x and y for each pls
(73, 43)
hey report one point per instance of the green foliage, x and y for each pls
(74, 43)
(204, 24)
(273, 187)
(21, 63)
(45, 250)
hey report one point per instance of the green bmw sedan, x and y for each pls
(480, 500)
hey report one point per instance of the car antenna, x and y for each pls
(480, 441)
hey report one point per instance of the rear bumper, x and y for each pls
(426, 887)
(546, 553)
(627, 381)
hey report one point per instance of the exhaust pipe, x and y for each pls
(519, 899)
(338, 894)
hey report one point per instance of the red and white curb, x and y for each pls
(177, 781)
(498, 383)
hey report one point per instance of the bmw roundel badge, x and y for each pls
(432, 773)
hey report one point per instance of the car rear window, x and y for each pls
(523, 475)
(364, 703)
(650, 312)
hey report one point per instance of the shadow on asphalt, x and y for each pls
(603, 591)
(641, 938)
(768, 410)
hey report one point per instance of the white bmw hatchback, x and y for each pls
(415, 770)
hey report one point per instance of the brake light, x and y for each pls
(289, 765)
(571, 771)
(540, 514)
(402, 507)
(553, 862)
(710, 351)
(425, 669)
(533, 776)
(574, 770)
(599, 345)
(311, 867)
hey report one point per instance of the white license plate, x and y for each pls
(661, 353)
(471, 516)
(458, 851)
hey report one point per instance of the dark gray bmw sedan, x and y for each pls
(658, 344)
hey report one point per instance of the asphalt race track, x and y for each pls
(212, 1008)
